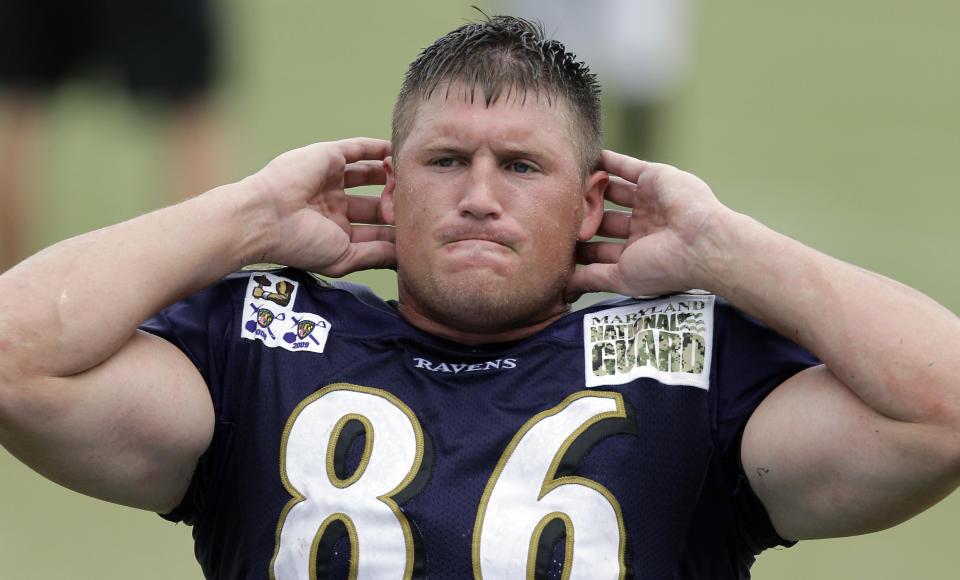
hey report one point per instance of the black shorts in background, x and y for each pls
(163, 49)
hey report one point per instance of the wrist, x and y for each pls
(241, 221)
(727, 248)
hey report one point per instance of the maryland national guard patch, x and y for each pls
(670, 340)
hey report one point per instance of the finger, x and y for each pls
(593, 278)
(367, 172)
(643, 218)
(364, 256)
(365, 233)
(364, 209)
(599, 252)
(632, 178)
(360, 148)
(621, 192)
(615, 224)
(623, 166)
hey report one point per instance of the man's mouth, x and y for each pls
(478, 237)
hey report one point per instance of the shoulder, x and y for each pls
(256, 302)
(292, 288)
(694, 339)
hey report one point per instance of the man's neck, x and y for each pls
(477, 335)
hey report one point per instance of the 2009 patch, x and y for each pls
(270, 318)
(670, 340)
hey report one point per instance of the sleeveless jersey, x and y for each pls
(350, 444)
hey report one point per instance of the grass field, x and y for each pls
(833, 122)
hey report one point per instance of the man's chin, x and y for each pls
(481, 302)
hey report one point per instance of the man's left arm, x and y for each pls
(872, 437)
(859, 444)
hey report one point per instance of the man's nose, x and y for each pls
(481, 195)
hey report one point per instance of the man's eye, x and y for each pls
(520, 167)
(444, 162)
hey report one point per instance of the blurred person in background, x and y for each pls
(641, 49)
(163, 52)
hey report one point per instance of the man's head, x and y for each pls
(504, 58)
(491, 193)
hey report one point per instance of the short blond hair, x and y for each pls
(505, 57)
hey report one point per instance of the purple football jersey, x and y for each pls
(349, 442)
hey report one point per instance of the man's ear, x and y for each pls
(593, 197)
(386, 197)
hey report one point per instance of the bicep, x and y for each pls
(825, 464)
(129, 430)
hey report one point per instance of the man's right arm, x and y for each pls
(96, 405)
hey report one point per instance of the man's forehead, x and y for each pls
(457, 113)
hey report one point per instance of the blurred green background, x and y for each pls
(834, 122)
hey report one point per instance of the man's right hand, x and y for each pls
(310, 222)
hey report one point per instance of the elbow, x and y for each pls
(932, 398)
(23, 398)
(11, 382)
(943, 439)
(951, 447)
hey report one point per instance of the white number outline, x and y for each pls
(551, 482)
(297, 497)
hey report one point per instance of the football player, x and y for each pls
(743, 392)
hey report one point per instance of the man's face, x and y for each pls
(489, 205)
